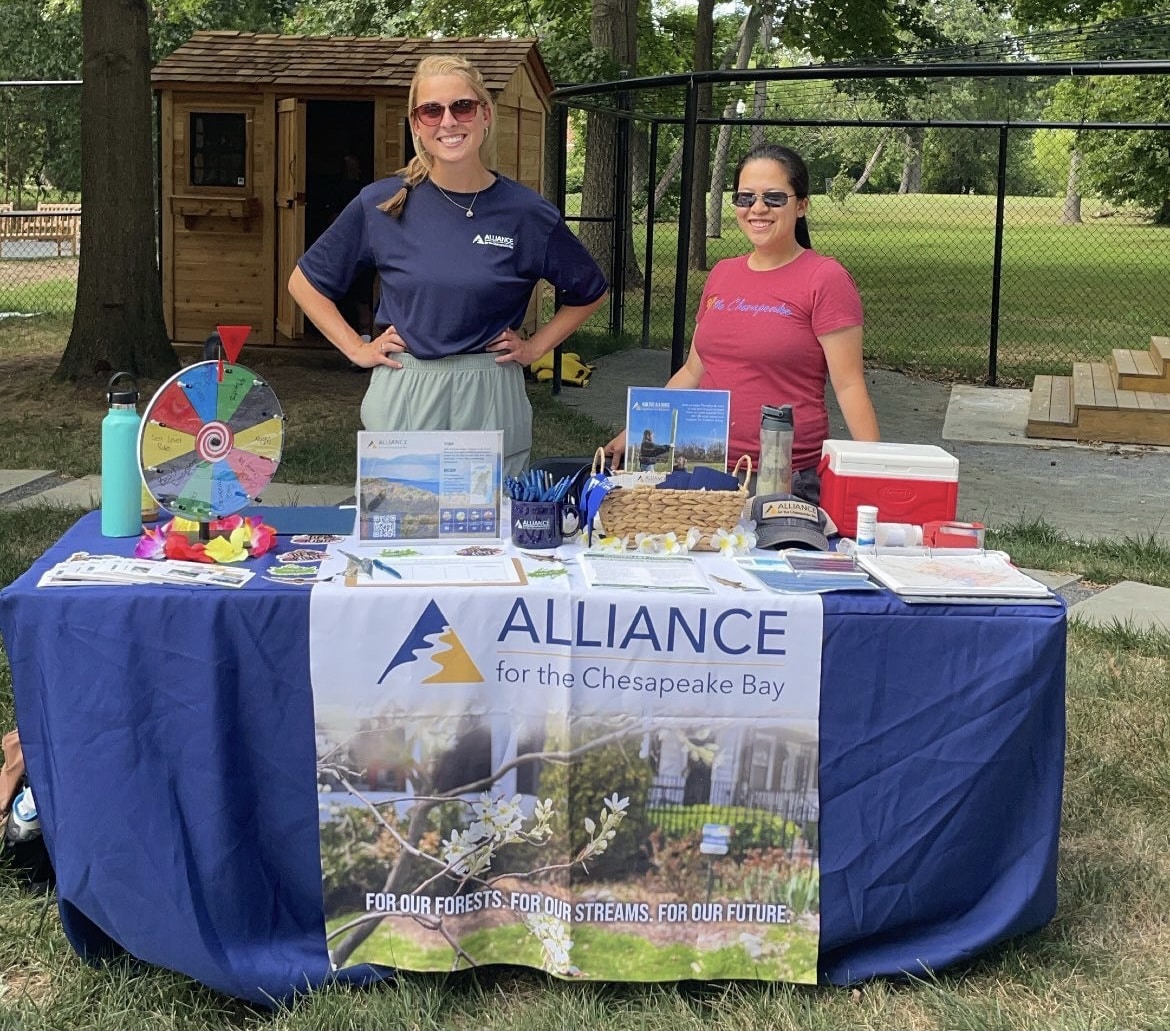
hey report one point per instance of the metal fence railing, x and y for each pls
(40, 220)
(993, 265)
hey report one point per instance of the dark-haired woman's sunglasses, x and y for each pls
(432, 114)
(773, 198)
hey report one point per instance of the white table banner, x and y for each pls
(612, 784)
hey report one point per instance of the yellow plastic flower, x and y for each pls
(228, 549)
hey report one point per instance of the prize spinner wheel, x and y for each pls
(209, 445)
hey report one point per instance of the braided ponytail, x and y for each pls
(417, 169)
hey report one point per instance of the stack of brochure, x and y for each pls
(955, 576)
(644, 572)
(81, 569)
(807, 572)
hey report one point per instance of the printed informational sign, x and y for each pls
(429, 486)
(609, 785)
(669, 430)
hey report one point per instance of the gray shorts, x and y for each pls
(463, 392)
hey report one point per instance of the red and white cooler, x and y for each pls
(909, 483)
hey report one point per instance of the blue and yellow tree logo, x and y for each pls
(434, 631)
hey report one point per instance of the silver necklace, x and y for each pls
(468, 213)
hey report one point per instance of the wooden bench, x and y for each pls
(54, 223)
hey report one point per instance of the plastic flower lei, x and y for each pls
(232, 539)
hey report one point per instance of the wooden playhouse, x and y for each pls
(263, 137)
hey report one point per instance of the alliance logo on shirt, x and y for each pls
(431, 630)
(492, 240)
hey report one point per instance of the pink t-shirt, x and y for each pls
(756, 333)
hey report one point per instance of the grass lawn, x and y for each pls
(1099, 964)
(924, 266)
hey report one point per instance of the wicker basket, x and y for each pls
(628, 511)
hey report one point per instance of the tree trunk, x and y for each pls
(871, 163)
(1071, 213)
(118, 321)
(912, 165)
(748, 31)
(704, 57)
(612, 28)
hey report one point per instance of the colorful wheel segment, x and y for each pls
(208, 446)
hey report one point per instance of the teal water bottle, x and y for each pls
(121, 479)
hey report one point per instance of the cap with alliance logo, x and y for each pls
(784, 520)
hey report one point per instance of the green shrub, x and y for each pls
(750, 828)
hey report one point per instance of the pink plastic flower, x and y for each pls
(152, 544)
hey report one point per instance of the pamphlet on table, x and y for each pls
(676, 429)
(429, 486)
(951, 573)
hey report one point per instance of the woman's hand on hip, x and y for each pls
(381, 350)
(510, 346)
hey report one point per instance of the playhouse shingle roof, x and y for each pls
(224, 58)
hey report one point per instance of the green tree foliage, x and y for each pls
(1131, 166)
(173, 22)
(587, 781)
(40, 127)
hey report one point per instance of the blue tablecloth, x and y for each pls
(168, 732)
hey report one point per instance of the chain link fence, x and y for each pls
(40, 213)
(985, 249)
(989, 248)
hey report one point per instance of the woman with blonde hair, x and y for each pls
(457, 248)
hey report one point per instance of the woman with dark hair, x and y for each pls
(458, 249)
(773, 325)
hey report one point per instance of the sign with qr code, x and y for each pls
(436, 486)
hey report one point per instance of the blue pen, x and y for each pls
(379, 564)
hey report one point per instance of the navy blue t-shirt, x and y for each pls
(451, 284)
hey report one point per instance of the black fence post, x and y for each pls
(682, 257)
(997, 263)
(621, 213)
(561, 127)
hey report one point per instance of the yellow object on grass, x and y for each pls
(573, 370)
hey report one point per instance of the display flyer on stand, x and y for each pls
(429, 486)
(676, 429)
(595, 784)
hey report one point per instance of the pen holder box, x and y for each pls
(909, 483)
(538, 525)
(628, 511)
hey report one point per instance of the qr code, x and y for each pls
(385, 526)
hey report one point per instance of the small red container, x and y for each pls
(909, 483)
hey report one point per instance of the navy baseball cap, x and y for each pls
(784, 520)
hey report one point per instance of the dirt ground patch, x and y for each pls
(32, 272)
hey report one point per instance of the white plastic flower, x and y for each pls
(738, 541)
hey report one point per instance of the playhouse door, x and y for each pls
(290, 210)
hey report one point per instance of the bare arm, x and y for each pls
(326, 317)
(687, 378)
(847, 374)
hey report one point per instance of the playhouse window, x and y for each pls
(219, 149)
